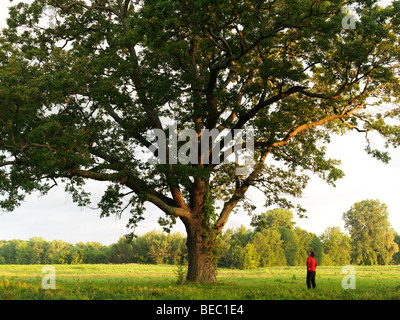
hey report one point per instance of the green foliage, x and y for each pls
(251, 258)
(396, 256)
(274, 218)
(269, 246)
(153, 247)
(180, 273)
(336, 247)
(317, 246)
(289, 245)
(303, 239)
(369, 228)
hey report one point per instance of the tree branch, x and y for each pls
(242, 188)
(126, 126)
(7, 163)
(264, 103)
(307, 126)
(239, 193)
(162, 202)
(82, 4)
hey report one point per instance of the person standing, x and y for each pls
(311, 269)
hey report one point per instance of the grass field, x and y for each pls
(152, 282)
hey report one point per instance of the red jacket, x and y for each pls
(311, 264)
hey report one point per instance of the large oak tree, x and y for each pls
(82, 82)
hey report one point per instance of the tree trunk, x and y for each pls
(201, 248)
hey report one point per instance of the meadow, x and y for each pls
(159, 282)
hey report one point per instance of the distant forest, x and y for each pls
(273, 240)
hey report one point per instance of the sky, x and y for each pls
(55, 216)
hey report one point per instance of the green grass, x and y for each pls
(133, 281)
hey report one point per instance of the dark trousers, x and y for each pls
(311, 279)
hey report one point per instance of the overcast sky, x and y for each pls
(57, 217)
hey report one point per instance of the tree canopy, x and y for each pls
(80, 94)
(373, 238)
(274, 218)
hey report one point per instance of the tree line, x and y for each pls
(272, 240)
(154, 247)
(276, 241)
